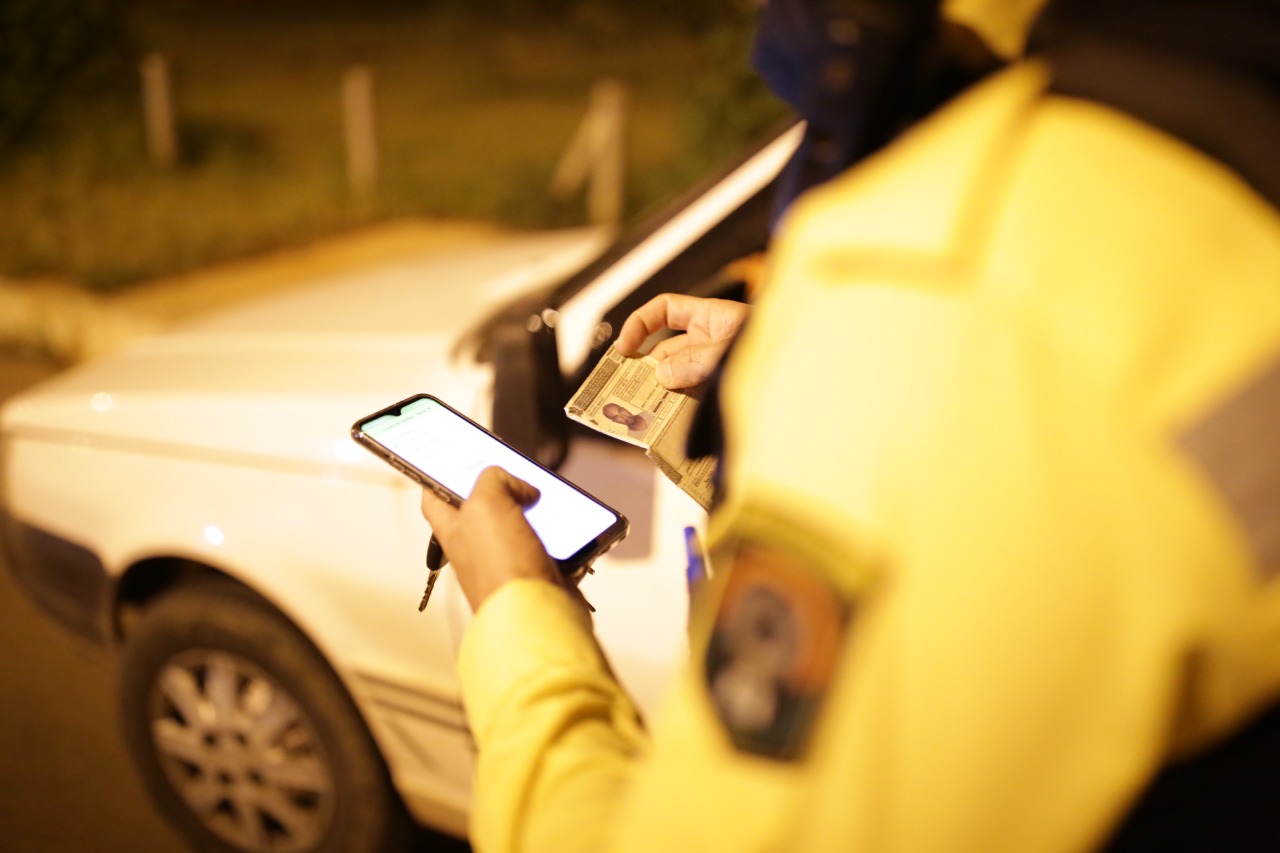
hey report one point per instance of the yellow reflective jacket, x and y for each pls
(996, 399)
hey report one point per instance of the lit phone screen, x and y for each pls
(453, 452)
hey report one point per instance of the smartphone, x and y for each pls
(445, 451)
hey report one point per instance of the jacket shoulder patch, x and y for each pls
(773, 651)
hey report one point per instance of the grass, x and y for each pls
(472, 117)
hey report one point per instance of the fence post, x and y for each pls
(157, 110)
(359, 130)
(596, 155)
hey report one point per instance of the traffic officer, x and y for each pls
(998, 541)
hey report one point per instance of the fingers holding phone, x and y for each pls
(487, 539)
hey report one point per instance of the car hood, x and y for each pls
(279, 380)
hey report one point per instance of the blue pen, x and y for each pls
(696, 568)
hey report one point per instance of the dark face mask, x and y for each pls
(857, 71)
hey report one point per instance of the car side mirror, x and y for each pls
(529, 392)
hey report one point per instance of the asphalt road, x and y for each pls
(65, 781)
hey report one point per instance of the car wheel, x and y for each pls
(243, 734)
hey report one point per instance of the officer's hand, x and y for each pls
(709, 326)
(487, 540)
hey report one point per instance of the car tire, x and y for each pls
(243, 734)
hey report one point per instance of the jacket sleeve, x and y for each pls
(557, 735)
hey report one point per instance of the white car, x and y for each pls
(195, 502)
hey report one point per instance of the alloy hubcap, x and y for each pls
(241, 753)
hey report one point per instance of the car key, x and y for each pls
(435, 561)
